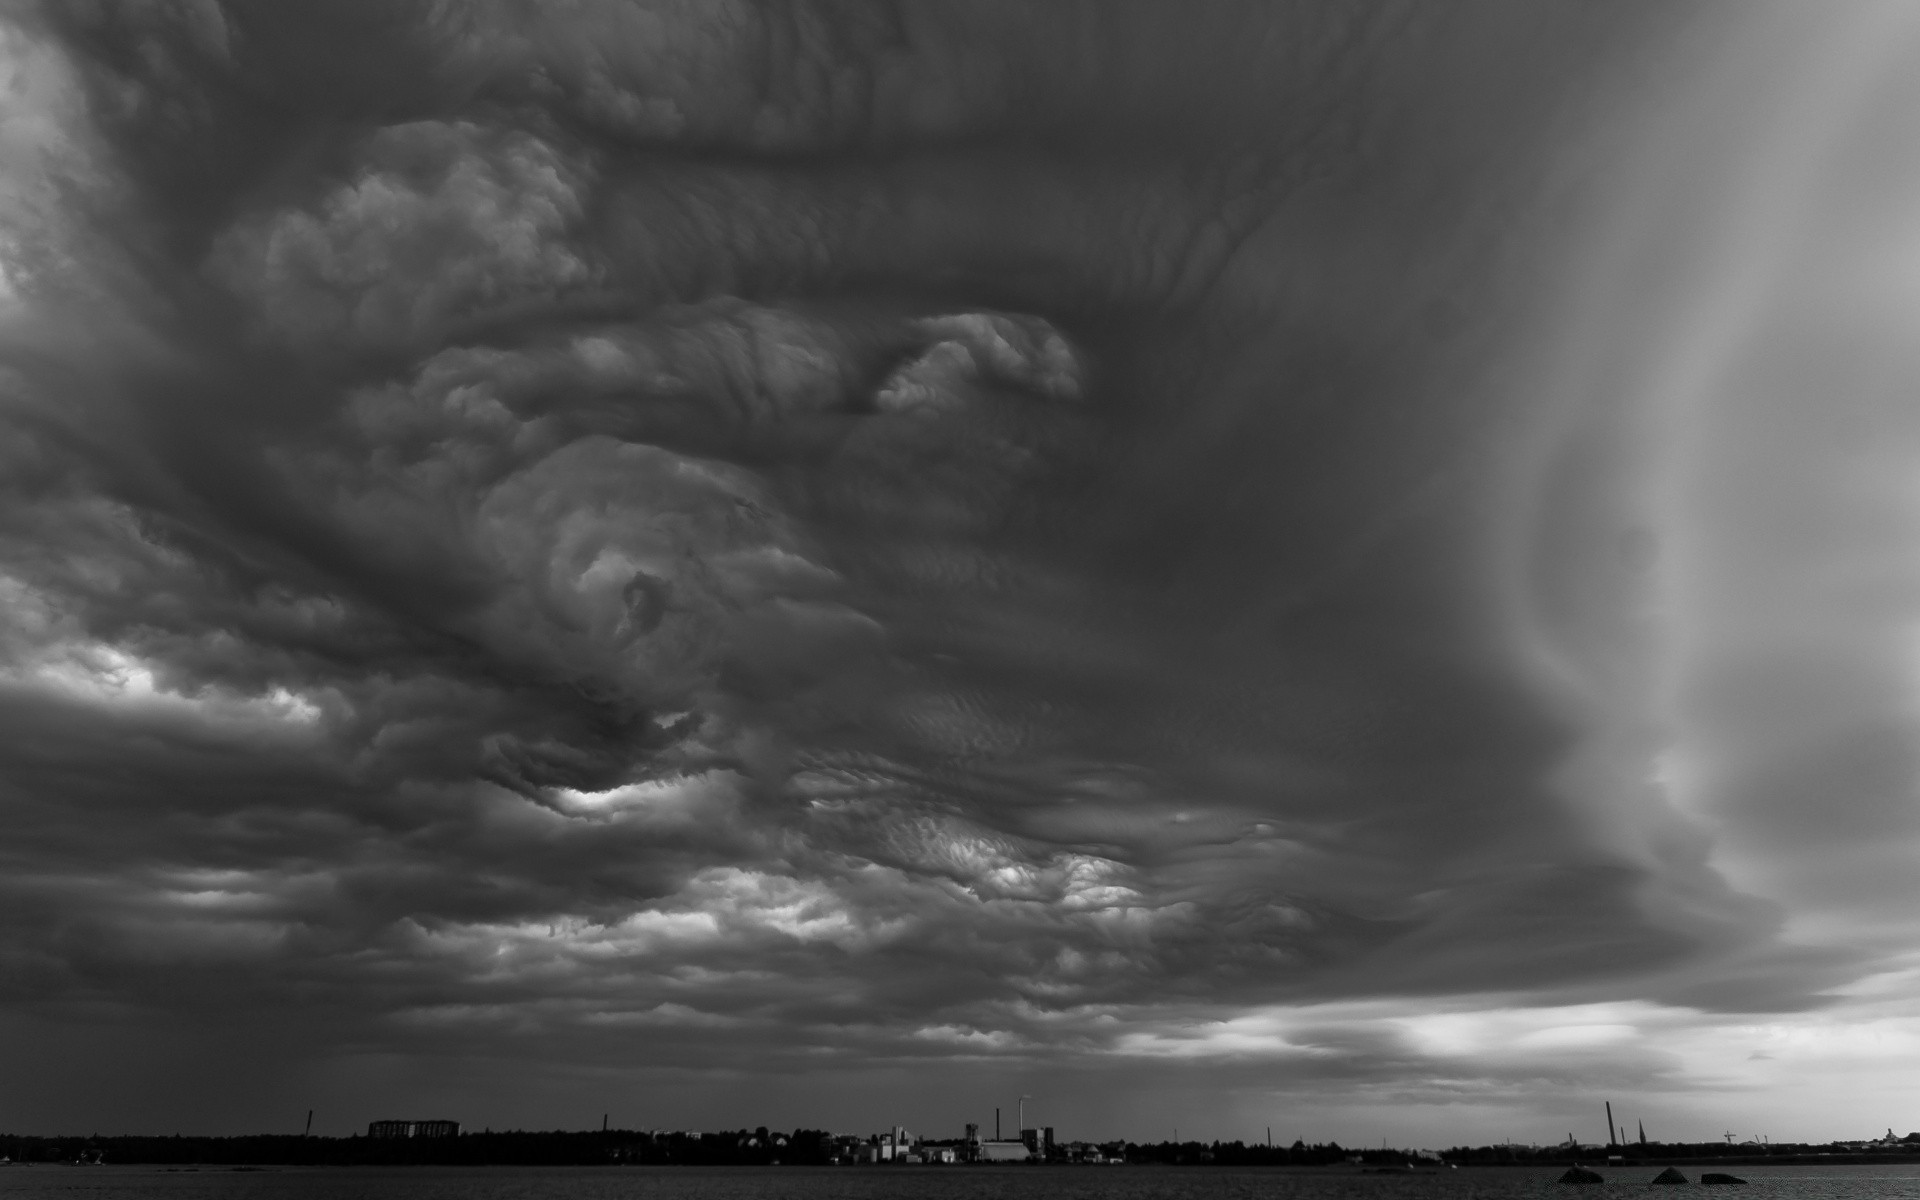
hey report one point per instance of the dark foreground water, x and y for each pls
(920, 1183)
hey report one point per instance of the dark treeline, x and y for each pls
(1908, 1149)
(517, 1147)
(571, 1148)
(817, 1147)
(1240, 1154)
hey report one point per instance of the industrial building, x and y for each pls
(996, 1150)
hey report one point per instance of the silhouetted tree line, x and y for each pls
(575, 1148)
(1240, 1154)
(760, 1146)
(506, 1148)
(1775, 1152)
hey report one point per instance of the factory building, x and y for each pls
(993, 1150)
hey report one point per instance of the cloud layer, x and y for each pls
(775, 542)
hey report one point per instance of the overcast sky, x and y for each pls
(1353, 568)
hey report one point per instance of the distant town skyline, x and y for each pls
(1345, 567)
(444, 1142)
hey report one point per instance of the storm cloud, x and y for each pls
(789, 547)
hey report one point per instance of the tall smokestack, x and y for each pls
(1610, 1132)
(996, 1123)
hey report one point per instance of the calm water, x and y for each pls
(909, 1183)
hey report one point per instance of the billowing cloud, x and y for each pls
(753, 543)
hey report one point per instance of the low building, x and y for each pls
(410, 1129)
(992, 1150)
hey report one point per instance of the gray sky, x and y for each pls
(1350, 568)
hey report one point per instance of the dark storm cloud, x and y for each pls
(795, 534)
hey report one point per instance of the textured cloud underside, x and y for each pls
(863, 530)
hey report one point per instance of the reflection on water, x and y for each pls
(964, 1183)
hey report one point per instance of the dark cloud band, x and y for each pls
(830, 533)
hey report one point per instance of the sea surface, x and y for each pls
(38, 1182)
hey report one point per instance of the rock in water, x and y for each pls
(1717, 1177)
(1581, 1175)
(1669, 1176)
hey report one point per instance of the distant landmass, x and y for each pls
(805, 1147)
